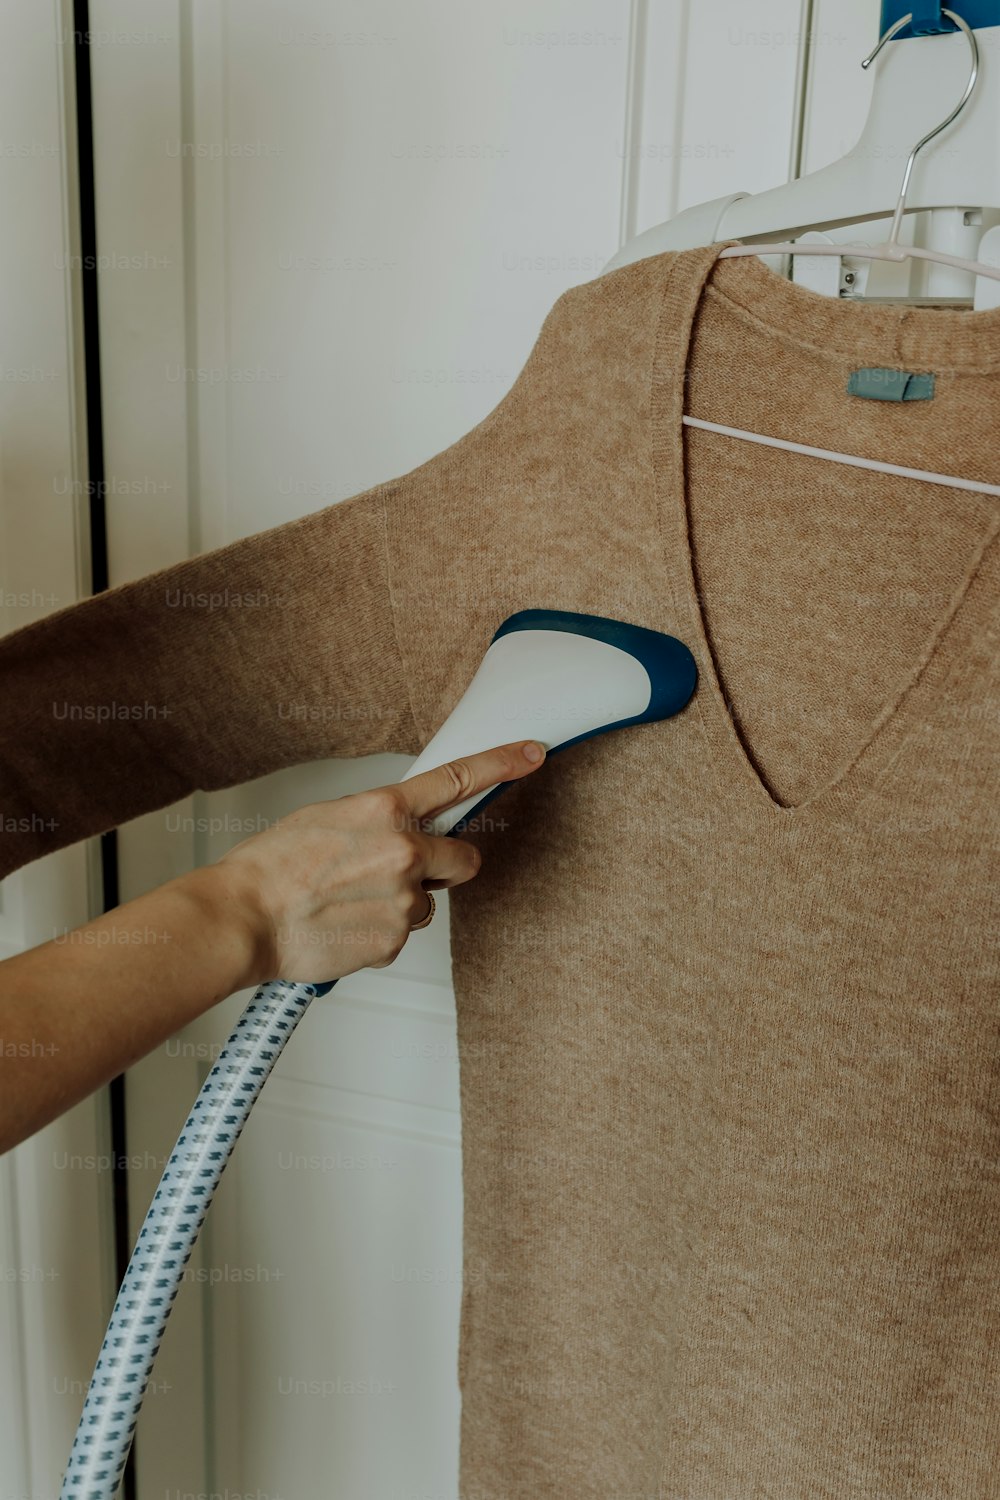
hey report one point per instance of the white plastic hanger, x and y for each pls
(956, 192)
(891, 248)
(823, 200)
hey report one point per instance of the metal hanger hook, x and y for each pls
(897, 217)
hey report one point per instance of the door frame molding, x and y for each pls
(56, 1216)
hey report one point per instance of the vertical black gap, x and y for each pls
(99, 565)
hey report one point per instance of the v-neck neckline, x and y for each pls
(821, 321)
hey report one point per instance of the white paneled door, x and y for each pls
(371, 209)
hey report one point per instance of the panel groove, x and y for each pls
(287, 1102)
(340, 1117)
(802, 76)
(638, 17)
(406, 1011)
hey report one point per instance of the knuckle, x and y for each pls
(414, 905)
(407, 856)
(460, 775)
(386, 803)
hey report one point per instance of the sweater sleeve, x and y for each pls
(277, 649)
(351, 631)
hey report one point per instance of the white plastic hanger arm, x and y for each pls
(892, 249)
(864, 185)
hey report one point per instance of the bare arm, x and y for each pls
(333, 888)
(76, 1011)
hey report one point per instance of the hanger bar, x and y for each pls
(862, 252)
(846, 458)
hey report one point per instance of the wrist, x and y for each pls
(231, 902)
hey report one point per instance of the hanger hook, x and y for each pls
(897, 217)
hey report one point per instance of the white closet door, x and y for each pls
(840, 89)
(56, 1243)
(375, 208)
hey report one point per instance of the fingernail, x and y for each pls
(533, 751)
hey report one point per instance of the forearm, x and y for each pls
(78, 1010)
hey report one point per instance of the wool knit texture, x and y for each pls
(728, 989)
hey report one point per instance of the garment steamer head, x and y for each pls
(558, 677)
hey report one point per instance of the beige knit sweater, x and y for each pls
(728, 986)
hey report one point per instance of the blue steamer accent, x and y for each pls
(672, 672)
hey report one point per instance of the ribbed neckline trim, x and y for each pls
(929, 338)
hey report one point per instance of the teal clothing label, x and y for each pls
(876, 384)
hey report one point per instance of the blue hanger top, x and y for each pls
(928, 20)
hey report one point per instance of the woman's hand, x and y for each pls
(338, 886)
(333, 888)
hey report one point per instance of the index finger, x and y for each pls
(442, 787)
